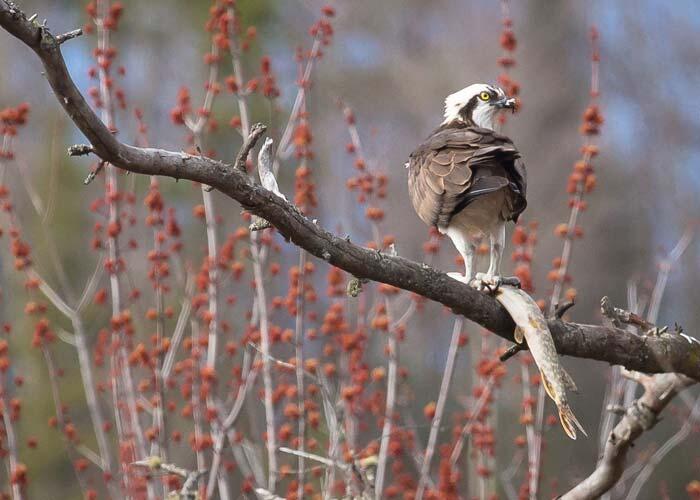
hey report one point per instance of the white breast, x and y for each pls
(481, 215)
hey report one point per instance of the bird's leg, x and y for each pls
(497, 240)
(466, 247)
(492, 279)
(467, 252)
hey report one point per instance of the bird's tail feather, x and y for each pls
(569, 420)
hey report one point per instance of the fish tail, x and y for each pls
(569, 420)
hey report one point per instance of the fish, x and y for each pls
(531, 326)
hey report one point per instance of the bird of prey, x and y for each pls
(468, 180)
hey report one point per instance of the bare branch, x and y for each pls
(639, 417)
(393, 355)
(442, 398)
(68, 36)
(256, 132)
(189, 488)
(91, 176)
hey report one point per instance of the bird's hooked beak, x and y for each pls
(505, 103)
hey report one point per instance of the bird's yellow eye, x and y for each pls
(484, 96)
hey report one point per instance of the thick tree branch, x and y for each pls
(651, 354)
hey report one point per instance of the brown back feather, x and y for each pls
(446, 169)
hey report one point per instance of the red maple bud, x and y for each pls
(519, 236)
(113, 229)
(311, 365)
(429, 410)
(508, 40)
(554, 275)
(302, 135)
(91, 9)
(590, 149)
(265, 65)
(19, 475)
(378, 374)
(561, 230)
(198, 211)
(693, 489)
(380, 322)
(208, 373)
(177, 116)
(329, 369)
(463, 339)
(430, 247)
(374, 213)
(590, 183)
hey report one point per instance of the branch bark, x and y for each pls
(665, 353)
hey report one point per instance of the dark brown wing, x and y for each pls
(456, 165)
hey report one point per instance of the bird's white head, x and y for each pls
(477, 105)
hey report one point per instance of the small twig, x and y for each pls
(261, 300)
(91, 176)
(284, 364)
(10, 439)
(512, 351)
(256, 131)
(621, 316)
(189, 488)
(80, 150)
(467, 427)
(561, 309)
(437, 417)
(68, 36)
(393, 355)
(316, 458)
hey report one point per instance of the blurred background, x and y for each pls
(394, 62)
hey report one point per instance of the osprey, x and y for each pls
(468, 181)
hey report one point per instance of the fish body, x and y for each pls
(532, 326)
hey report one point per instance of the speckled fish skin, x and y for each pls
(532, 326)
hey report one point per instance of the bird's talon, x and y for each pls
(511, 281)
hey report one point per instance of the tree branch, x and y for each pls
(651, 354)
(641, 416)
